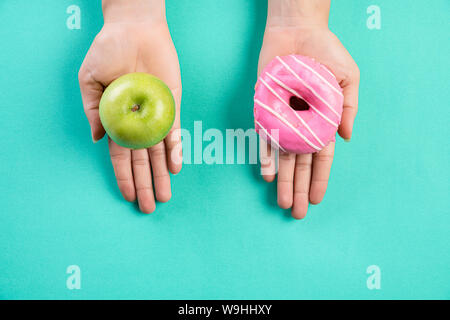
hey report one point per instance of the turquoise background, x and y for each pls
(222, 235)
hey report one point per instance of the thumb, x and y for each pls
(91, 93)
(350, 89)
(173, 139)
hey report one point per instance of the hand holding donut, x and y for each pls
(297, 38)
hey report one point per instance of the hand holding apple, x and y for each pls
(136, 38)
(137, 110)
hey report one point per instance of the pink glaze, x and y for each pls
(304, 131)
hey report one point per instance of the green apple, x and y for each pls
(137, 110)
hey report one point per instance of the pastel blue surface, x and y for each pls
(222, 235)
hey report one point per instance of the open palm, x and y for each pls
(303, 179)
(119, 49)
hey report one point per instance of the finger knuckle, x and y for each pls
(173, 143)
(266, 164)
(300, 191)
(157, 152)
(143, 188)
(124, 180)
(325, 157)
(161, 175)
(286, 156)
(119, 157)
(302, 166)
(140, 162)
(288, 180)
(90, 109)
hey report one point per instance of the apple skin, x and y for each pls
(137, 110)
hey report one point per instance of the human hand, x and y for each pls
(301, 27)
(135, 38)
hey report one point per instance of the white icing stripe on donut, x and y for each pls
(317, 74)
(307, 86)
(300, 118)
(326, 69)
(295, 93)
(269, 135)
(282, 119)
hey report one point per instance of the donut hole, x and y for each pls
(298, 104)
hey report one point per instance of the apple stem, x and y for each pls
(135, 108)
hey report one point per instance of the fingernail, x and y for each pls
(92, 135)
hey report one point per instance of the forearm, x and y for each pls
(136, 11)
(287, 13)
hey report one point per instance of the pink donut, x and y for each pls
(302, 99)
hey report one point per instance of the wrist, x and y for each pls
(134, 11)
(298, 13)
